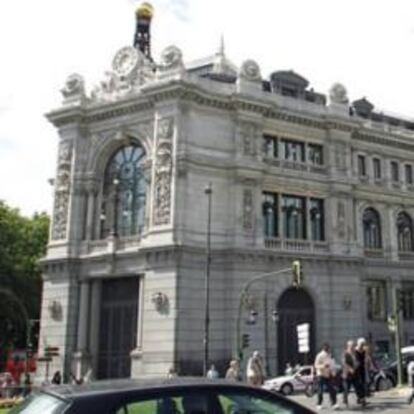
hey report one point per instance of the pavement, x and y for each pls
(391, 402)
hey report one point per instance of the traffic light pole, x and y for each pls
(397, 313)
(242, 296)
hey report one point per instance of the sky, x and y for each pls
(368, 45)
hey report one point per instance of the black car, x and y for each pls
(175, 396)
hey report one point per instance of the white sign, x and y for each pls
(303, 337)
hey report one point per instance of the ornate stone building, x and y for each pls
(294, 174)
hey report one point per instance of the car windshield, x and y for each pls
(40, 404)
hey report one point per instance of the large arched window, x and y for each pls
(372, 229)
(124, 193)
(405, 232)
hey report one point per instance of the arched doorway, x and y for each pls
(295, 307)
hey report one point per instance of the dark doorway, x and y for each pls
(118, 327)
(295, 306)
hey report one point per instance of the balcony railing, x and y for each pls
(374, 253)
(295, 245)
(295, 165)
(406, 255)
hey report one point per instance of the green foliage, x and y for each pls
(23, 241)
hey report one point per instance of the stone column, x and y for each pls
(94, 323)
(91, 195)
(81, 354)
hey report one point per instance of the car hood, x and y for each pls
(280, 379)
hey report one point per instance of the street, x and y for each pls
(393, 401)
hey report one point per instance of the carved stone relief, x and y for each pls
(248, 209)
(341, 227)
(62, 189)
(248, 133)
(163, 172)
(250, 71)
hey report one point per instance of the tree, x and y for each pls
(23, 241)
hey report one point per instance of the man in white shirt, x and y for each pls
(410, 374)
(325, 371)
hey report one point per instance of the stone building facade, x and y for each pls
(294, 175)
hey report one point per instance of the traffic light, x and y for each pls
(245, 341)
(297, 273)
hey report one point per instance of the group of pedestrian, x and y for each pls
(254, 370)
(356, 364)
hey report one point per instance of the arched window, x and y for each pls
(405, 232)
(124, 193)
(372, 229)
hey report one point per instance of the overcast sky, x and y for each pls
(368, 45)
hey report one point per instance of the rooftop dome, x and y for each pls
(145, 10)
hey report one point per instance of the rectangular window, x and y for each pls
(293, 150)
(377, 168)
(362, 170)
(395, 173)
(315, 154)
(408, 174)
(408, 301)
(376, 300)
(270, 146)
(294, 217)
(317, 219)
(270, 214)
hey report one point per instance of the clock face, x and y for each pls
(125, 61)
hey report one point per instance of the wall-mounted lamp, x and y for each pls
(160, 301)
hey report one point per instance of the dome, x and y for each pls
(145, 10)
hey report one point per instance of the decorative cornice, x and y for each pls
(389, 141)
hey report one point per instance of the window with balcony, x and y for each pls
(395, 172)
(362, 169)
(405, 232)
(270, 214)
(317, 219)
(294, 217)
(376, 164)
(293, 150)
(376, 301)
(372, 229)
(270, 143)
(315, 154)
(408, 174)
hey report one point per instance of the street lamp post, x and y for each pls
(208, 191)
(114, 229)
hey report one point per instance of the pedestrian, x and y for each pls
(212, 373)
(348, 372)
(233, 372)
(289, 369)
(325, 372)
(371, 369)
(254, 372)
(57, 378)
(361, 371)
(410, 375)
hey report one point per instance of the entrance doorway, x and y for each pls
(295, 307)
(118, 327)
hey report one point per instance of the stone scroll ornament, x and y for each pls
(62, 190)
(163, 172)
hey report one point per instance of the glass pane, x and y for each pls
(245, 403)
(40, 404)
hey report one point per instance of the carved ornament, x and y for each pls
(250, 71)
